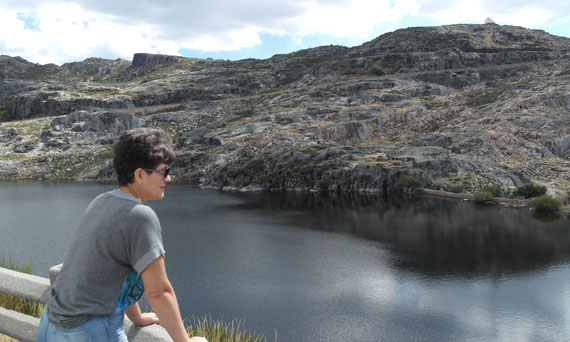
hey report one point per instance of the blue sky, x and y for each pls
(60, 31)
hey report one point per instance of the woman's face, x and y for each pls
(153, 184)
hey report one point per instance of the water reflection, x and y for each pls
(350, 268)
(432, 235)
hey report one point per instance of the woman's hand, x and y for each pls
(138, 318)
(198, 339)
(148, 318)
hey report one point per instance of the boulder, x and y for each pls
(349, 132)
(8, 135)
(96, 120)
(112, 122)
(24, 147)
(144, 63)
(430, 162)
(562, 146)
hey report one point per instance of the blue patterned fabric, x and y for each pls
(131, 291)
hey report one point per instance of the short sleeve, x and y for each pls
(143, 237)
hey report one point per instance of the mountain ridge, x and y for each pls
(456, 106)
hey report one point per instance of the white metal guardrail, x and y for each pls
(24, 328)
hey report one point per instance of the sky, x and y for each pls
(61, 31)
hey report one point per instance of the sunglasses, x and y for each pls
(164, 172)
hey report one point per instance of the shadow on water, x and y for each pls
(431, 235)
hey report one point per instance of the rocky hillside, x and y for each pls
(455, 106)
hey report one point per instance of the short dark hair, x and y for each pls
(142, 147)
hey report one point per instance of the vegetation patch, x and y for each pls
(13, 156)
(183, 62)
(377, 71)
(483, 97)
(5, 114)
(289, 78)
(218, 331)
(483, 197)
(101, 92)
(170, 127)
(69, 166)
(18, 304)
(458, 185)
(313, 150)
(314, 61)
(454, 187)
(545, 203)
(530, 191)
(492, 189)
(349, 71)
(397, 61)
(4, 105)
(37, 72)
(408, 185)
(167, 110)
(191, 97)
(28, 127)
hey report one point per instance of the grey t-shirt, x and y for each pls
(116, 236)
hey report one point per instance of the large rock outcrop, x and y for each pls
(144, 63)
(456, 106)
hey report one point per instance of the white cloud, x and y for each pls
(66, 31)
(76, 29)
(355, 18)
(231, 40)
(510, 12)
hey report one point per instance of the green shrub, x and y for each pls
(545, 203)
(483, 97)
(530, 191)
(348, 71)
(455, 187)
(492, 189)
(408, 185)
(483, 196)
(323, 186)
(378, 72)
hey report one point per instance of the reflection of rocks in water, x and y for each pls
(434, 235)
(546, 216)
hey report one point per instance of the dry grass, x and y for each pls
(218, 331)
(18, 304)
(10, 302)
(4, 338)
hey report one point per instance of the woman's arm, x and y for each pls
(162, 299)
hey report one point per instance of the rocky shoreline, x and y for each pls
(501, 201)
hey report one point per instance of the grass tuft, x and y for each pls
(218, 331)
(18, 304)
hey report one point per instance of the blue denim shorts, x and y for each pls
(97, 328)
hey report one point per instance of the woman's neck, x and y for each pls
(128, 190)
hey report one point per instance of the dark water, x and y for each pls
(333, 268)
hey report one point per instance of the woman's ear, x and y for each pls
(138, 176)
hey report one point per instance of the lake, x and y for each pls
(330, 268)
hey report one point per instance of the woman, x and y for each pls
(117, 253)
